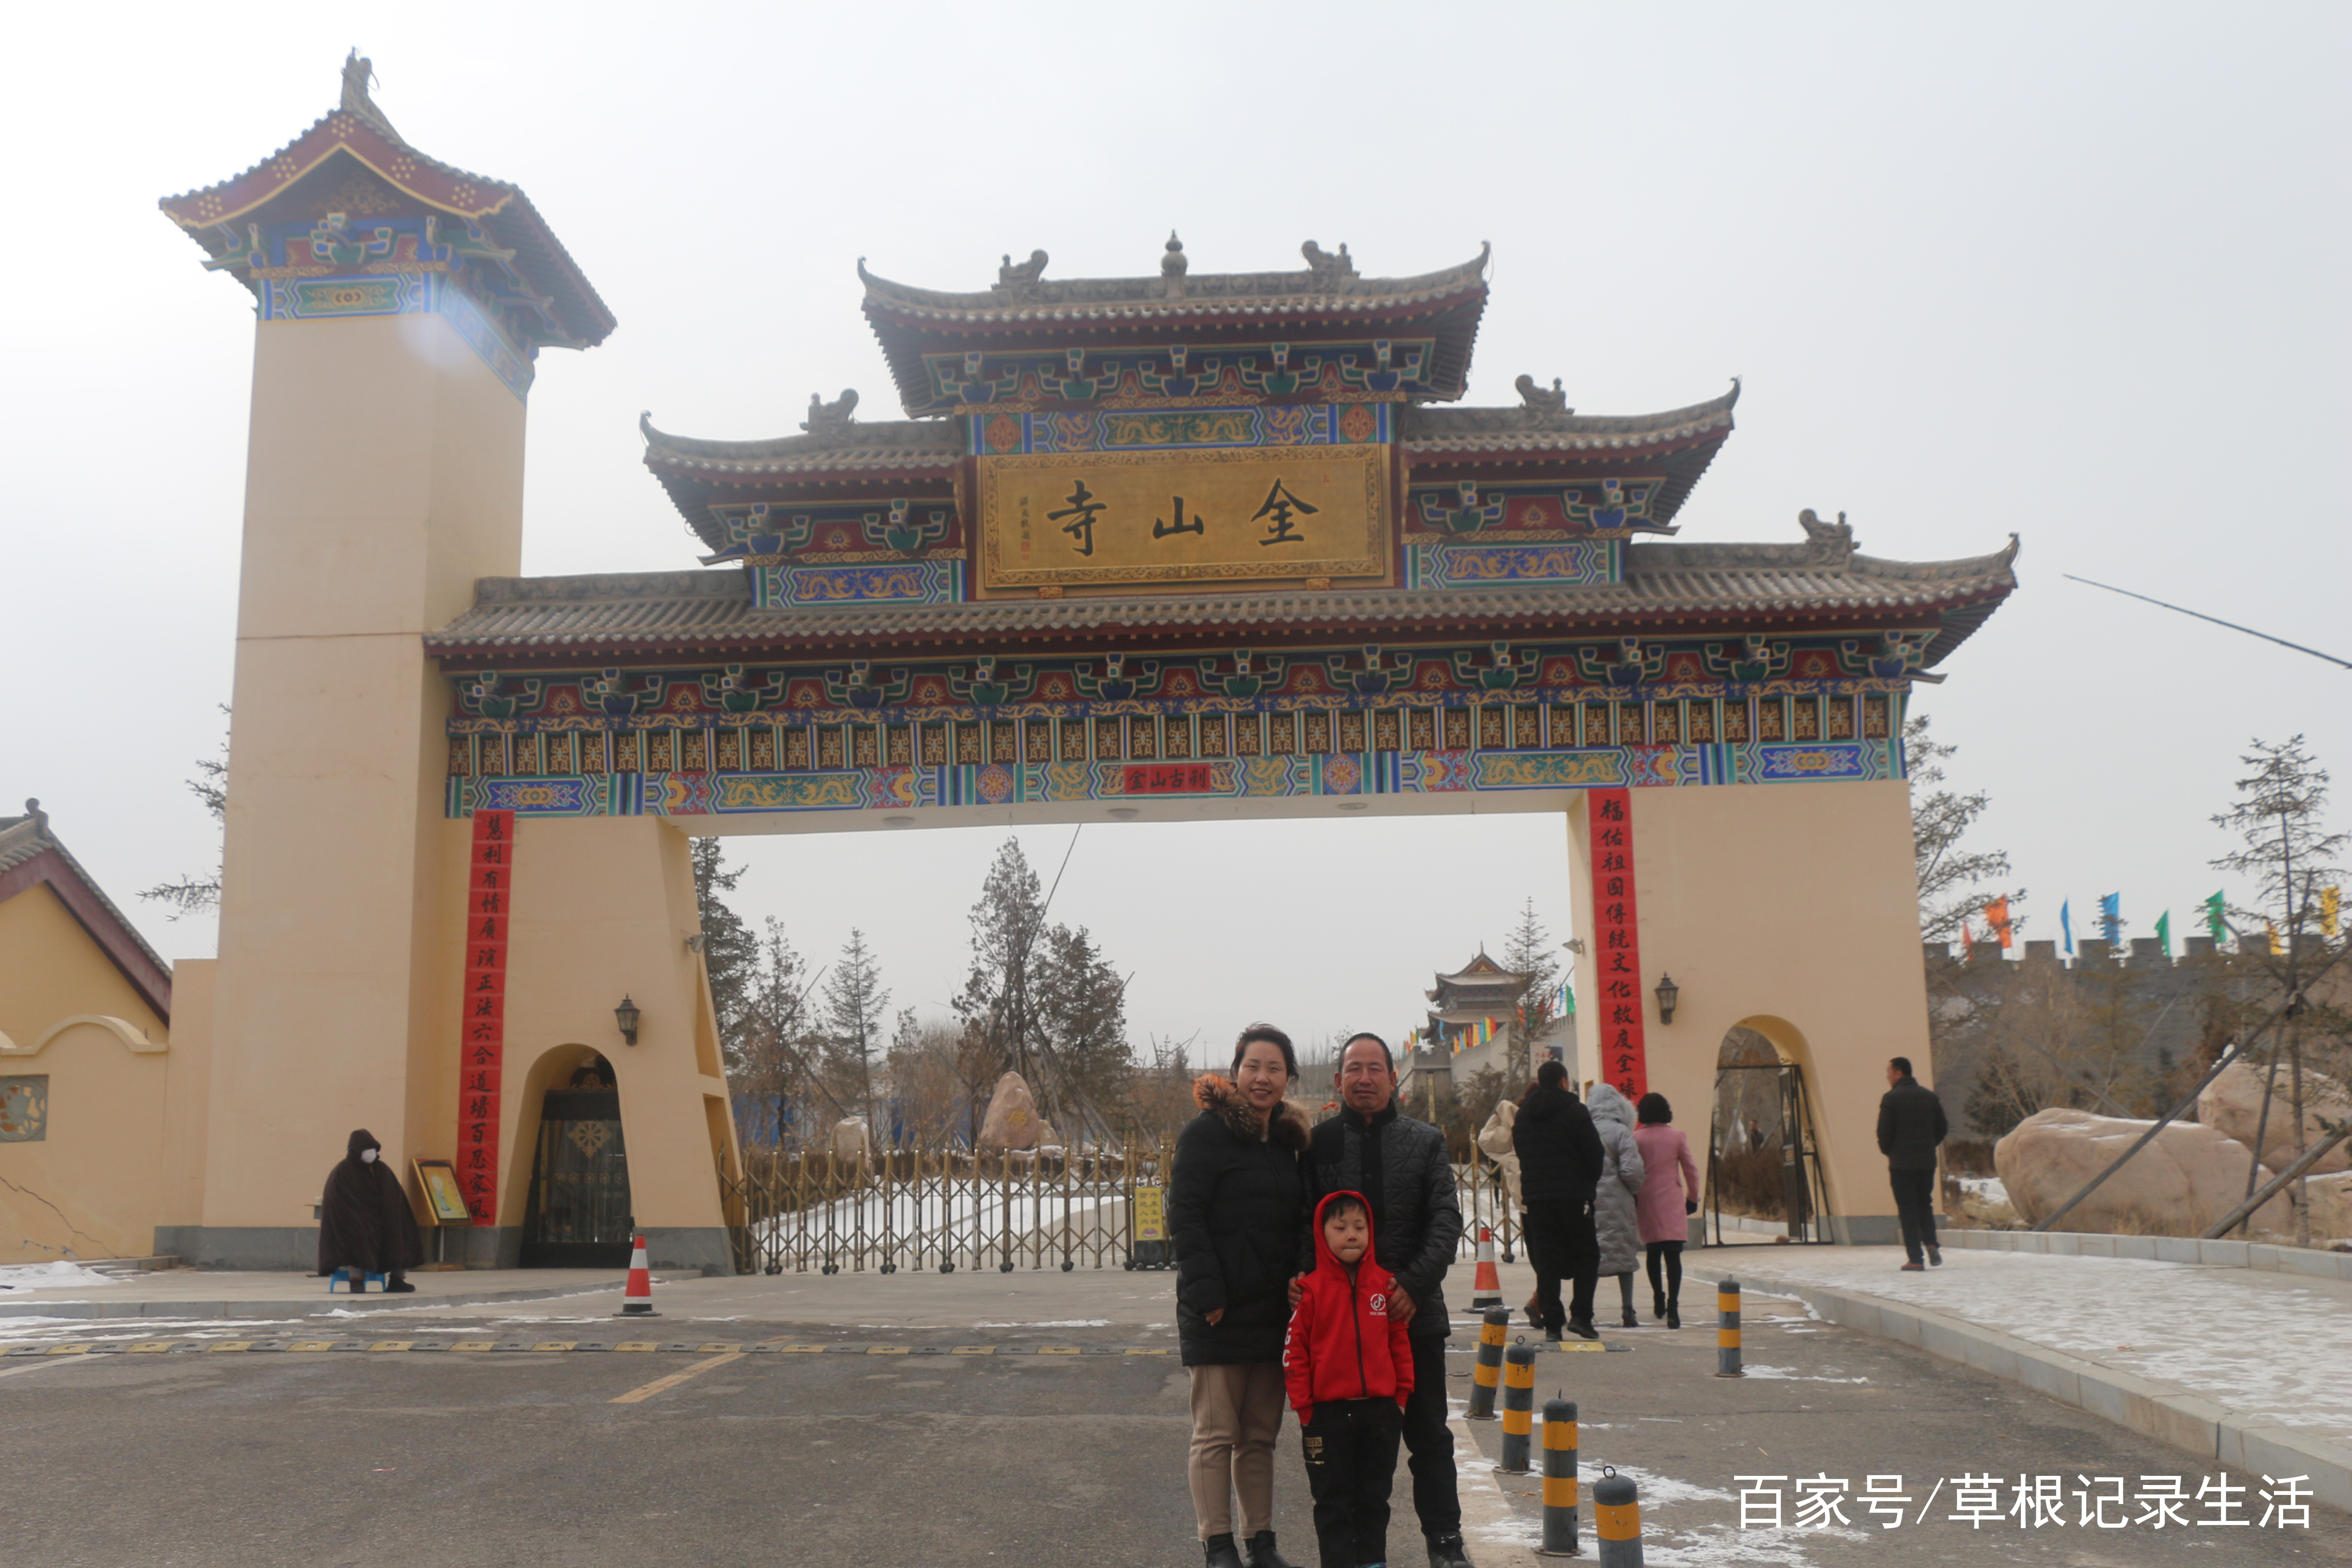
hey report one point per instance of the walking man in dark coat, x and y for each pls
(1401, 1167)
(1910, 1125)
(1562, 1159)
(364, 1222)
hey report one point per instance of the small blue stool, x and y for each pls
(343, 1277)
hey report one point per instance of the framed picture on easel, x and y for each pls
(438, 1180)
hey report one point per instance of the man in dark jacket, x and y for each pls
(1910, 1125)
(1402, 1168)
(364, 1222)
(1562, 1159)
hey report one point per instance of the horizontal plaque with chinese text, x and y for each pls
(1231, 516)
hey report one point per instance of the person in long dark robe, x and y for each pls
(364, 1222)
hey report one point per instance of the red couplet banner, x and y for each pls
(482, 1013)
(1617, 943)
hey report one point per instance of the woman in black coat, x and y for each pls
(1236, 1203)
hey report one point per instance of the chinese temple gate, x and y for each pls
(1174, 546)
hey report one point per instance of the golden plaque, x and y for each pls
(1234, 515)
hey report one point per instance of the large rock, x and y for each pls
(849, 1139)
(2233, 1104)
(2331, 1208)
(1012, 1119)
(2179, 1184)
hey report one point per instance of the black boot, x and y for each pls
(1657, 1303)
(1673, 1314)
(1448, 1553)
(1261, 1554)
(1222, 1553)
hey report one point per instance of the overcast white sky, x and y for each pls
(2076, 271)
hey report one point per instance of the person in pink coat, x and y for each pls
(1665, 1202)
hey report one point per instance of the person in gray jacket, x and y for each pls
(1613, 1217)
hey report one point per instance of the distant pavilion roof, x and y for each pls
(31, 855)
(357, 133)
(1820, 584)
(1326, 298)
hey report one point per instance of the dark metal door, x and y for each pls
(577, 1216)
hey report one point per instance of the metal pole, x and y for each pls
(1726, 1329)
(1560, 1480)
(1518, 1407)
(1487, 1377)
(1617, 1521)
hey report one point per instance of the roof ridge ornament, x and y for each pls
(1826, 544)
(1537, 407)
(1330, 274)
(1174, 263)
(358, 71)
(1020, 281)
(829, 421)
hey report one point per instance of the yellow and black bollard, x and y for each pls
(1560, 1480)
(1726, 1329)
(1617, 1519)
(1487, 1376)
(1518, 1407)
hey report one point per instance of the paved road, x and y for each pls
(966, 1461)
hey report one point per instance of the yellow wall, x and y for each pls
(1791, 909)
(92, 1187)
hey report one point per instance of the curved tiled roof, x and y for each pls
(1291, 296)
(928, 446)
(1666, 585)
(1430, 432)
(369, 139)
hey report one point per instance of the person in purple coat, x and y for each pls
(1669, 1197)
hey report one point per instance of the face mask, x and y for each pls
(367, 1156)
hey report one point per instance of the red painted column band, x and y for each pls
(1617, 943)
(482, 1015)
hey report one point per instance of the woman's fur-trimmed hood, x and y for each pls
(1214, 1091)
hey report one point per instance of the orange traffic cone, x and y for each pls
(1488, 1285)
(637, 1297)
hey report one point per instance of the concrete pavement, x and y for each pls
(979, 1461)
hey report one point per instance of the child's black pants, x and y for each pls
(1351, 1455)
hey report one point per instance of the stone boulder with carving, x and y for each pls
(2233, 1104)
(1012, 1119)
(2179, 1184)
(850, 1141)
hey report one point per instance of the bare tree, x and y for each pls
(1952, 878)
(2279, 818)
(855, 1002)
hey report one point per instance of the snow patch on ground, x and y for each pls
(1787, 1375)
(1722, 1546)
(1053, 1324)
(57, 1276)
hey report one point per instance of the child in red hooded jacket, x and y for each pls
(1349, 1369)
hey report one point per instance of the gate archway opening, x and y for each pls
(576, 1207)
(1765, 1170)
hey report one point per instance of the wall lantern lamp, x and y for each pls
(625, 1014)
(1667, 992)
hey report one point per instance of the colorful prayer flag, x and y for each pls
(2164, 932)
(1995, 914)
(2216, 924)
(2111, 919)
(2331, 908)
(2067, 925)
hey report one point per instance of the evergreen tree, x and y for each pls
(1082, 1006)
(856, 1006)
(998, 992)
(730, 953)
(1529, 950)
(191, 894)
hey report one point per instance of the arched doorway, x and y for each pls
(576, 1212)
(1765, 1181)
